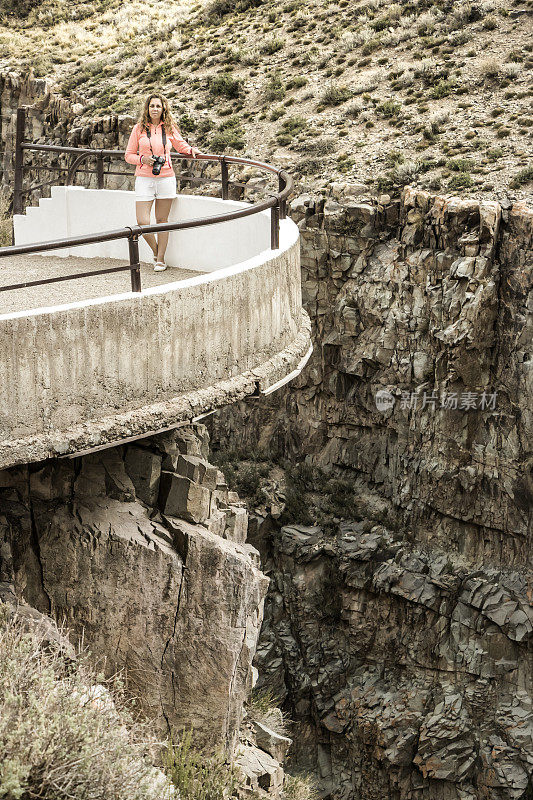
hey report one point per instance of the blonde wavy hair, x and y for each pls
(166, 117)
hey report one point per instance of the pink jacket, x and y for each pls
(139, 145)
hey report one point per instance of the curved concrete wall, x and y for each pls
(75, 211)
(91, 361)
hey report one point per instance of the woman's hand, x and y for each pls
(194, 152)
(147, 161)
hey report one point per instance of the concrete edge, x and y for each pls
(166, 414)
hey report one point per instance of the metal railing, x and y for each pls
(276, 203)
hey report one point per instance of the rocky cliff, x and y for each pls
(140, 549)
(401, 638)
(398, 637)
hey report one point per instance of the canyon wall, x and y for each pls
(140, 551)
(400, 639)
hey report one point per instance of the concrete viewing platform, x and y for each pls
(87, 363)
(33, 268)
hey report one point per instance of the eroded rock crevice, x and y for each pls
(401, 638)
(140, 550)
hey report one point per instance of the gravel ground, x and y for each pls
(20, 269)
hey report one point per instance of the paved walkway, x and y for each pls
(20, 269)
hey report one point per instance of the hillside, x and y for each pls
(437, 95)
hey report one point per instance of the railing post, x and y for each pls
(274, 227)
(224, 175)
(18, 206)
(135, 268)
(283, 203)
(100, 170)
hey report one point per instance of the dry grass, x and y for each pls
(63, 735)
(263, 707)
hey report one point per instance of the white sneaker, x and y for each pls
(159, 266)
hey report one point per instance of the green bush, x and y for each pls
(227, 135)
(335, 95)
(299, 787)
(524, 176)
(217, 9)
(274, 88)
(463, 180)
(296, 83)
(271, 46)
(389, 108)
(293, 125)
(442, 89)
(460, 164)
(263, 707)
(225, 85)
(61, 736)
(198, 775)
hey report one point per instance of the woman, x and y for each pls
(154, 135)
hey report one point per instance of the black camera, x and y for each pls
(158, 163)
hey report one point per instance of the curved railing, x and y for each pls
(277, 203)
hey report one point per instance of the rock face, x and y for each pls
(95, 541)
(408, 669)
(402, 642)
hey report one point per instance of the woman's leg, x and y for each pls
(143, 208)
(162, 210)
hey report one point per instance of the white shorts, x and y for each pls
(153, 187)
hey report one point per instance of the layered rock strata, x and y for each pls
(402, 642)
(407, 669)
(140, 549)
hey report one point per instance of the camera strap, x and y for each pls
(164, 137)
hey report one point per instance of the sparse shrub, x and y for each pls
(512, 69)
(271, 46)
(462, 180)
(353, 110)
(442, 89)
(263, 707)
(389, 108)
(62, 734)
(225, 85)
(462, 14)
(274, 88)
(277, 113)
(299, 787)
(297, 82)
(494, 153)
(405, 173)
(370, 46)
(438, 119)
(227, 137)
(460, 164)
(367, 83)
(380, 23)
(426, 23)
(217, 9)
(394, 157)
(345, 162)
(198, 775)
(489, 68)
(524, 176)
(335, 95)
(490, 23)
(289, 128)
